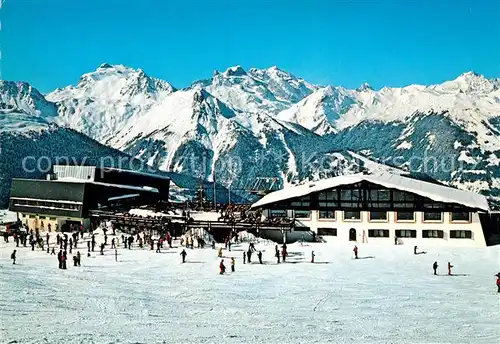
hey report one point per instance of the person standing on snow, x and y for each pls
(355, 250)
(249, 256)
(183, 254)
(113, 244)
(13, 257)
(78, 258)
(64, 258)
(47, 238)
(222, 267)
(277, 254)
(59, 259)
(232, 264)
(449, 268)
(259, 255)
(434, 267)
(312, 256)
(220, 252)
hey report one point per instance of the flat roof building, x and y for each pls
(70, 193)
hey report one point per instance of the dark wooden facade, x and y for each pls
(365, 196)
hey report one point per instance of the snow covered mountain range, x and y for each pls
(242, 124)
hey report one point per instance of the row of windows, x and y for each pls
(381, 215)
(47, 204)
(40, 217)
(404, 233)
(375, 198)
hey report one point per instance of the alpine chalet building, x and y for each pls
(381, 208)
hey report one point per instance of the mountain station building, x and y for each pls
(71, 193)
(383, 208)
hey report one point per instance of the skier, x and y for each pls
(259, 255)
(277, 255)
(13, 257)
(355, 250)
(434, 267)
(284, 253)
(183, 254)
(220, 252)
(113, 244)
(449, 268)
(498, 281)
(78, 258)
(75, 260)
(232, 264)
(249, 254)
(222, 267)
(102, 249)
(312, 257)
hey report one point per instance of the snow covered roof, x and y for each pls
(153, 175)
(130, 187)
(438, 193)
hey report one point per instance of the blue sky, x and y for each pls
(50, 43)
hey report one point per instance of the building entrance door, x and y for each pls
(352, 234)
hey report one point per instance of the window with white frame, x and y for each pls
(433, 233)
(302, 214)
(378, 216)
(402, 216)
(460, 216)
(406, 233)
(460, 234)
(433, 216)
(352, 215)
(326, 214)
(378, 233)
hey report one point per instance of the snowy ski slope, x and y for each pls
(148, 297)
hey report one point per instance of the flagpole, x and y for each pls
(215, 197)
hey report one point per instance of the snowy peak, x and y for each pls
(235, 71)
(23, 96)
(124, 82)
(364, 87)
(470, 82)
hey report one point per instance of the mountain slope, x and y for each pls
(108, 99)
(240, 125)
